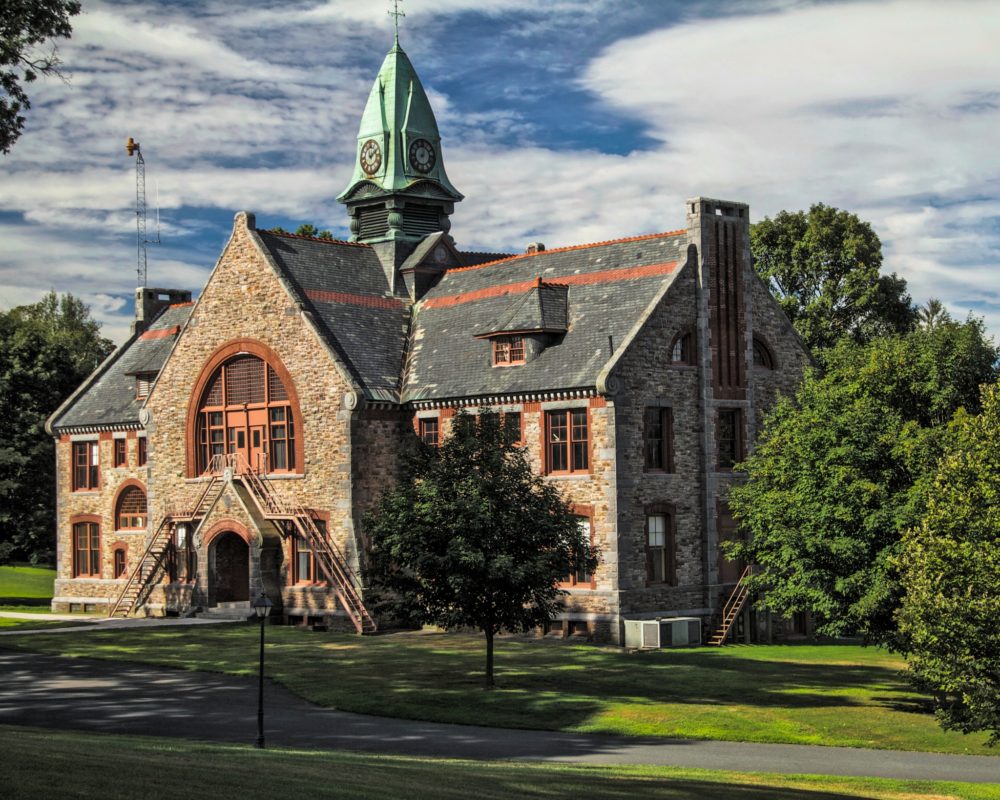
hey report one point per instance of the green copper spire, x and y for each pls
(399, 147)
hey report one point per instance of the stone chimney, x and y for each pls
(149, 302)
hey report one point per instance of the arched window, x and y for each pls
(130, 514)
(682, 348)
(762, 355)
(245, 409)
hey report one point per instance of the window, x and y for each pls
(246, 409)
(682, 349)
(513, 424)
(131, 511)
(119, 567)
(581, 576)
(659, 547)
(86, 550)
(730, 437)
(762, 355)
(508, 350)
(658, 435)
(303, 560)
(121, 453)
(86, 466)
(428, 431)
(567, 441)
(142, 450)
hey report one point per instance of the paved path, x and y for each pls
(114, 697)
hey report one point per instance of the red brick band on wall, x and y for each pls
(365, 300)
(520, 287)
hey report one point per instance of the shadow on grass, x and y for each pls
(26, 601)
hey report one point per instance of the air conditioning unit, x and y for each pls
(663, 632)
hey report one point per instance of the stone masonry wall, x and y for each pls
(245, 299)
(99, 503)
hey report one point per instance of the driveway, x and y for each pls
(115, 697)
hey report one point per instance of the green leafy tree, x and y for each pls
(471, 537)
(25, 26)
(308, 229)
(824, 268)
(844, 468)
(932, 312)
(46, 350)
(950, 617)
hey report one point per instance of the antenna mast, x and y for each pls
(132, 148)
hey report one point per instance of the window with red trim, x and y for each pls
(119, 566)
(86, 466)
(131, 511)
(508, 350)
(567, 441)
(246, 408)
(658, 435)
(142, 452)
(86, 550)
(121, 452)
(428, 431)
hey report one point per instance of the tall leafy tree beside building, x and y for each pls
(471, 537)
(844, 468)
(27, 28)
(46, 350)
(824, 267)
(950, 616)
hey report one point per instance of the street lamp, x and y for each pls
(262, 607)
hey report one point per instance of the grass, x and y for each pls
(100, 765)
(26, 586)
(805, 694)
(35, 624)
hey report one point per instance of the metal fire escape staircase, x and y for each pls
(273, 506)
(147, 572)
(734, 605)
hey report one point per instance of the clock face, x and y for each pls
(422, 156)
(371, 157)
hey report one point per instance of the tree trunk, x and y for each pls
(489, 659)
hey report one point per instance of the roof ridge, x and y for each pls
(568, 248)
(287, 235)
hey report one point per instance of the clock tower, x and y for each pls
(399, 192)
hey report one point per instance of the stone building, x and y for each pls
(233, 444)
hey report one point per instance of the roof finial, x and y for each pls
(396, 13)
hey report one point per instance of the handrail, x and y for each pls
(137, 570)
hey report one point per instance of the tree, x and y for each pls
(823, 267)
(932, 312)
(25, 25)
(308, 229)
(471, 537)
(841, 471)
(950, 566)
(46, 350)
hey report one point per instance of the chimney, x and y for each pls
(535, 247)
(150, 302)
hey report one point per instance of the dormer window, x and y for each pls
(142, 383)
(508, 351)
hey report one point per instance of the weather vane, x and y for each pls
(396, 13)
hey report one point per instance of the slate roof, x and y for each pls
(108, 396)
(542, 309)
(346, 288)
(609, 286)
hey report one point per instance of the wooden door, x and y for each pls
(257, 439)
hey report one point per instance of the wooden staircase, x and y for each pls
(143, 577)
(273, 505)
(731, 610)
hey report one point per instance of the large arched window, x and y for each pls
(245, 409)
(130, 511)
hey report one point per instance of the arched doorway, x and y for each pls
(230, 568)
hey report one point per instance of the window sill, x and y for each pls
(86, 491)
(569, 476)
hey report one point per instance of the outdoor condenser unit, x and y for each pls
(668, 632)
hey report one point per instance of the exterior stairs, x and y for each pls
(731, 610)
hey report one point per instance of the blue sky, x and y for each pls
(566, 121)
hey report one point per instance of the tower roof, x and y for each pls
(399, 145)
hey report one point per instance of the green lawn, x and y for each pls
(26, 586)
(96, 765)
(807, 694)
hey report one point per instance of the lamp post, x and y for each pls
(262, 607)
